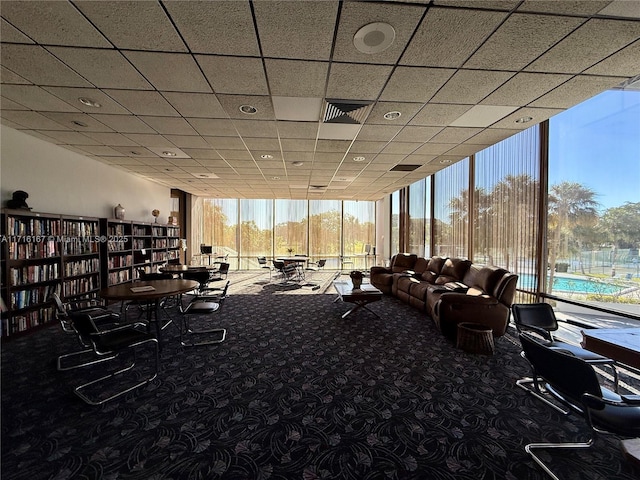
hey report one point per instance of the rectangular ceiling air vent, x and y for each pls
(346, 111)
(404, 168)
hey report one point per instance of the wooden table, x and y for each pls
(619, 344)
(361, 298)
(161, 289)
(180, 269)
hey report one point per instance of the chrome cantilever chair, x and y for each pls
(539, 318)
(112, 343)
(262, 261)
(574, 382)
(99, 314)
(315, 266)
(201, 306)
(221, 273)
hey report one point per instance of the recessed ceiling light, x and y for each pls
(275, 178)
(169, 154)
(297, 164)
(445, 161)
(374, 38)
(248, 109)
(88, 102)
(266, 156)
(133, 152)
(359, 159)
(392, 115)
(524, 119)
(79, 124)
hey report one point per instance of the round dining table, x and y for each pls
(149, 292)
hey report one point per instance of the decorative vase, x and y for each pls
(356, 279)
(118, 211)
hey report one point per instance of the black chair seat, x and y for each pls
(202, 307)
(120, 338)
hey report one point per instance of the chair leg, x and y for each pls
(543, 446)
(532, 385)
(80, 389)
(186, 331)
(62, 358)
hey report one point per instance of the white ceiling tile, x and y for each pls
(297, 108)
(438, 114)
(441, 28)
(72, 96)
(205, 105)
(123, 123)
(133, 24)
(523, 88)
(10, 34)
(292, 78)
(575, 91)
(232, 103)
(298, 30)
(470, 86)
(57, 23)
(38, 66)
(414, 84)
(103, 68)
(356, 82)
(169, 125)
(482, 116)
(233, 36)
(234, 74)
(143, 102)
(520, 40)
(36, 98)
(569, 7)
(596, 39)
(34, 120)
(177, 72)
(622, 8)
(623, 63)
(80, 122)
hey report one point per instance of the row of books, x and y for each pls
(141, 231)
(32, 226)
(42, 249)
(119, 276)
(80, 229)
(81, 248)
(118, 229)
(117, 245)
(32, 296)
(34, 274)
(81, 267)
(119, 261)
(80, 285)
(140, 243)
(27, 320)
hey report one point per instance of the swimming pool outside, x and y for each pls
(575, 285)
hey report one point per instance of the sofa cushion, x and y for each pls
(455, 268)
(403, 261)
(420, 266)
(488, 277)
(429, 276)
(435, 264)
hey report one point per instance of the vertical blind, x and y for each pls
(451, 210)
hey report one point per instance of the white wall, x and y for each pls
(63, 182)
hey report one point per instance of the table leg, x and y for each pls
(358, 306)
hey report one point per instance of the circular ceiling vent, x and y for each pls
(374, 37)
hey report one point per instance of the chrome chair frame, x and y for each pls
(99, 314)
(573, 381)
(540, 319)
(110, 344)
(202, 305)
(262, 261)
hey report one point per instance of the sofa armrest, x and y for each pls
(454, 298)
(377, 269)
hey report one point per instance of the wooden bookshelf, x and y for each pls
(80, 245)
(117, 251)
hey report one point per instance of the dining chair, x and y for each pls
(202, 307)
(573, 382)
(262, 261)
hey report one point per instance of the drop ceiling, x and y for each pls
(271, 99)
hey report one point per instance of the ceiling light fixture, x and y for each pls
(359, 159)
(133, 152)
(524, 119)
(445, 161)
(266, 156)
(374, 38)
(169, 154)
(88, 102)
(392, 115)
(297, 164)
(79, 124)
(248, 109)
(275, 178)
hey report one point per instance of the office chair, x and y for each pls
(112, 343)
(539, 318)
(100, 315)
(199, 306)
(221, 273)
(262, 261)
(573, 381)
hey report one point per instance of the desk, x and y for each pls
(619, 344)
(162, 289)
(361, 298)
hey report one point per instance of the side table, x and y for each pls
(475, 338)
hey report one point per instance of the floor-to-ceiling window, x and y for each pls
(290, 233)
(594, 202)
(358, 228)
(256, 231)
(394, 241)
(451, 210)
(220, 216)
(324, 230)
(417, 217)
(506, 205)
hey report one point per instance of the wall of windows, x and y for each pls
(594, 201)
(558, 203)
(245, 229)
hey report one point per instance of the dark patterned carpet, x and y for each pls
(295, 392)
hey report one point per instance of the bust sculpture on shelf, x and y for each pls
(19, 200)
(155, 212)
